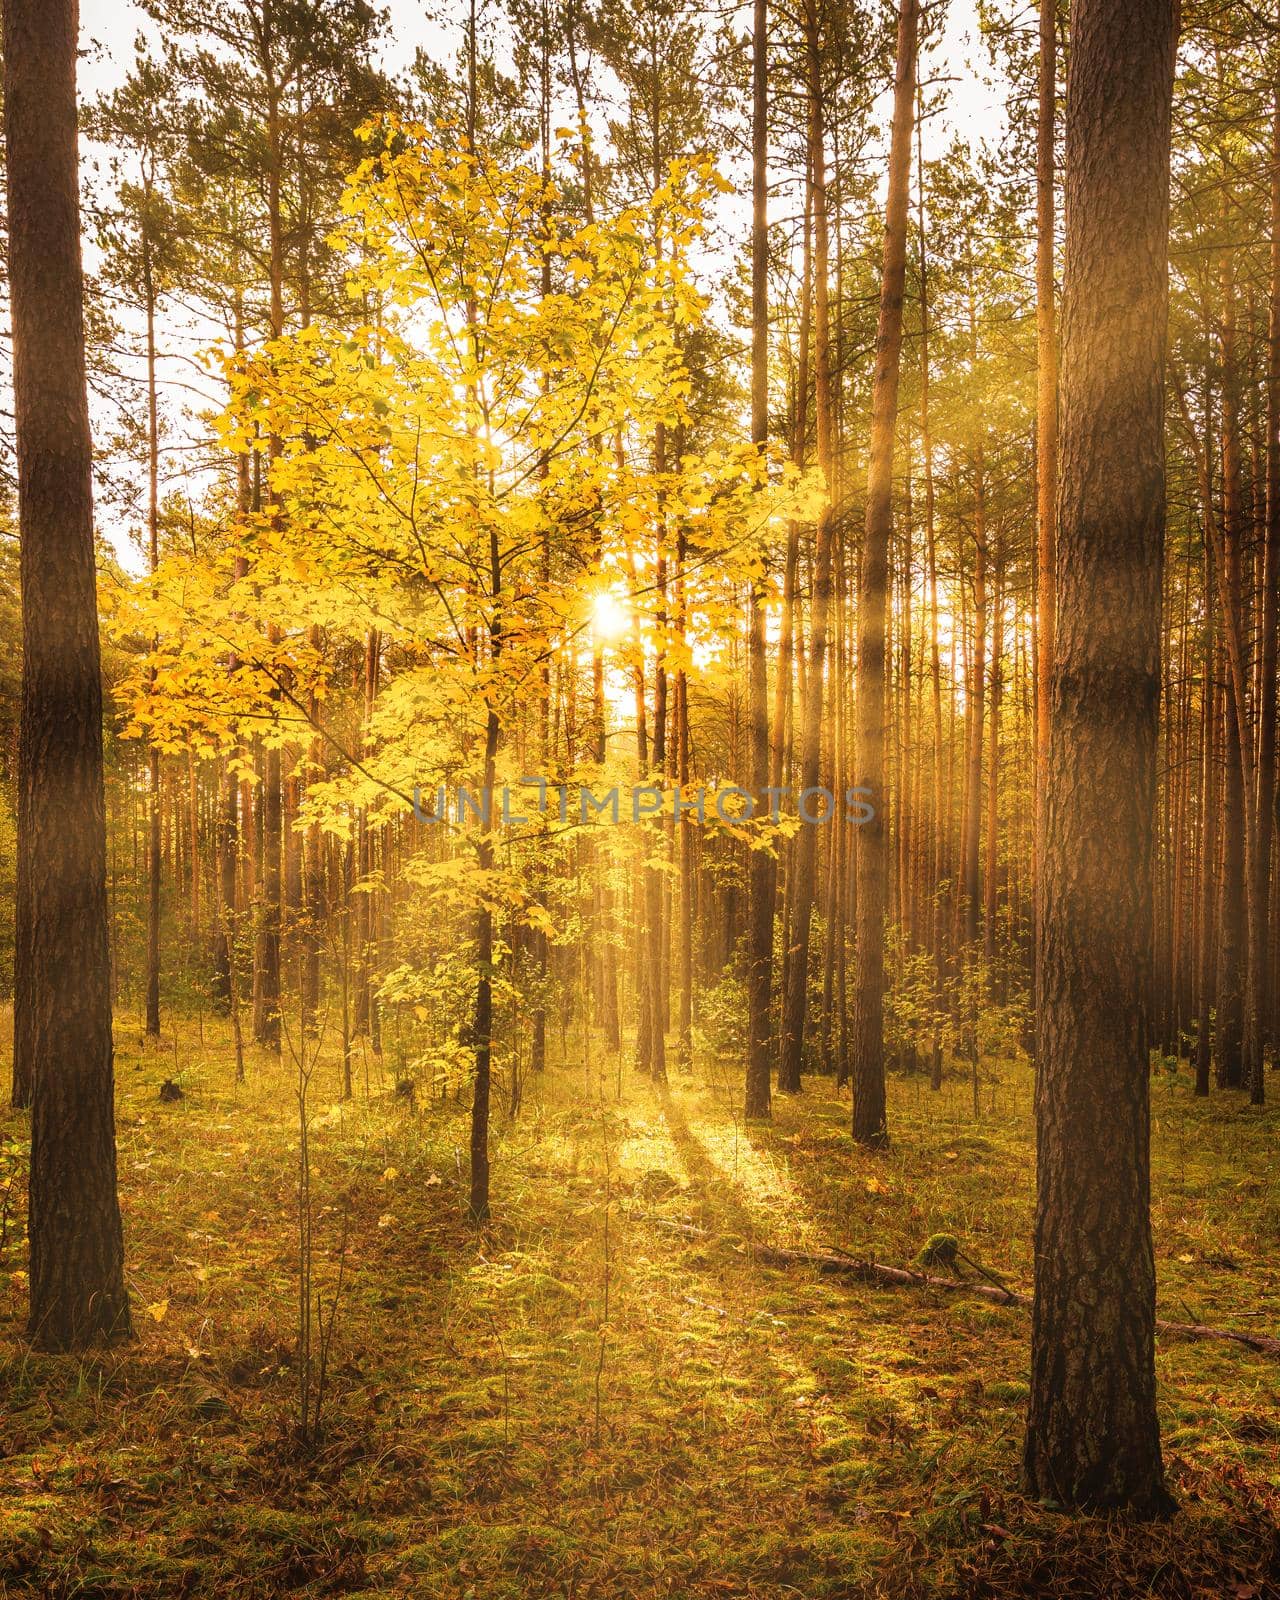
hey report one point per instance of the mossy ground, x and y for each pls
(585, 1401)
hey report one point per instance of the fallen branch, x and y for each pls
(867, 1270)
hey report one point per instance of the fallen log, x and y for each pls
(868, 1270)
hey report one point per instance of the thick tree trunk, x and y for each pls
(867, 1055)
(62, 1007)
(1093, 1437)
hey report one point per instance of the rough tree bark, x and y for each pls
(1093, 1437)
(867, 1056)
(62, 1008)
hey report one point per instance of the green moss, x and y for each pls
(938, 1250)
(1010, 1391)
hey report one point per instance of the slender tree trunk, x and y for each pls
(364, 1021)
(1257, 998)
(1093, 1436)
(1046, 433)
(62, 1002)
(940, 816)
(1229, 1031)
(1209, 818)
(153, 552)
(267, 983)
(760, 884)
(1239, 820)
(806, 849)
(867, 1059)
(991, 872)
(976, 675)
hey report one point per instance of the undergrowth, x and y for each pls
(604, 1394)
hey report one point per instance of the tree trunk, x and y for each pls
(1046, 432)
(1257, 995)
(267, 978)
(62, 1007)
(991, 871)
(1209, 819)
(939, 805)
(976, 676)
(1093, 1437)
(760, 884)
(806, 847)
(153, 551)
(1229, 1031)
(867, 1056)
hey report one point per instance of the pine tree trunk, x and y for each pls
(796, 997)
(867, 1055)
(267, 977)
(1209, 819)
(760, 883)
(1257, 997)
(991, 872)
(1229, 1032)
(62, 1006)
(939, 805)
(1093, 1437)
(1046, 431)
(976, 675)
(153, 550)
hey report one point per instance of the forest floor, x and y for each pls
(584, 1400)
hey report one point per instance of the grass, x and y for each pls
(495, 1429)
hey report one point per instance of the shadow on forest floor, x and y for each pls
(587, 1401)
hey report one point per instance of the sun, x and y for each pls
(610, 617)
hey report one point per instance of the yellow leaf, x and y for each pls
(158, 1310)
